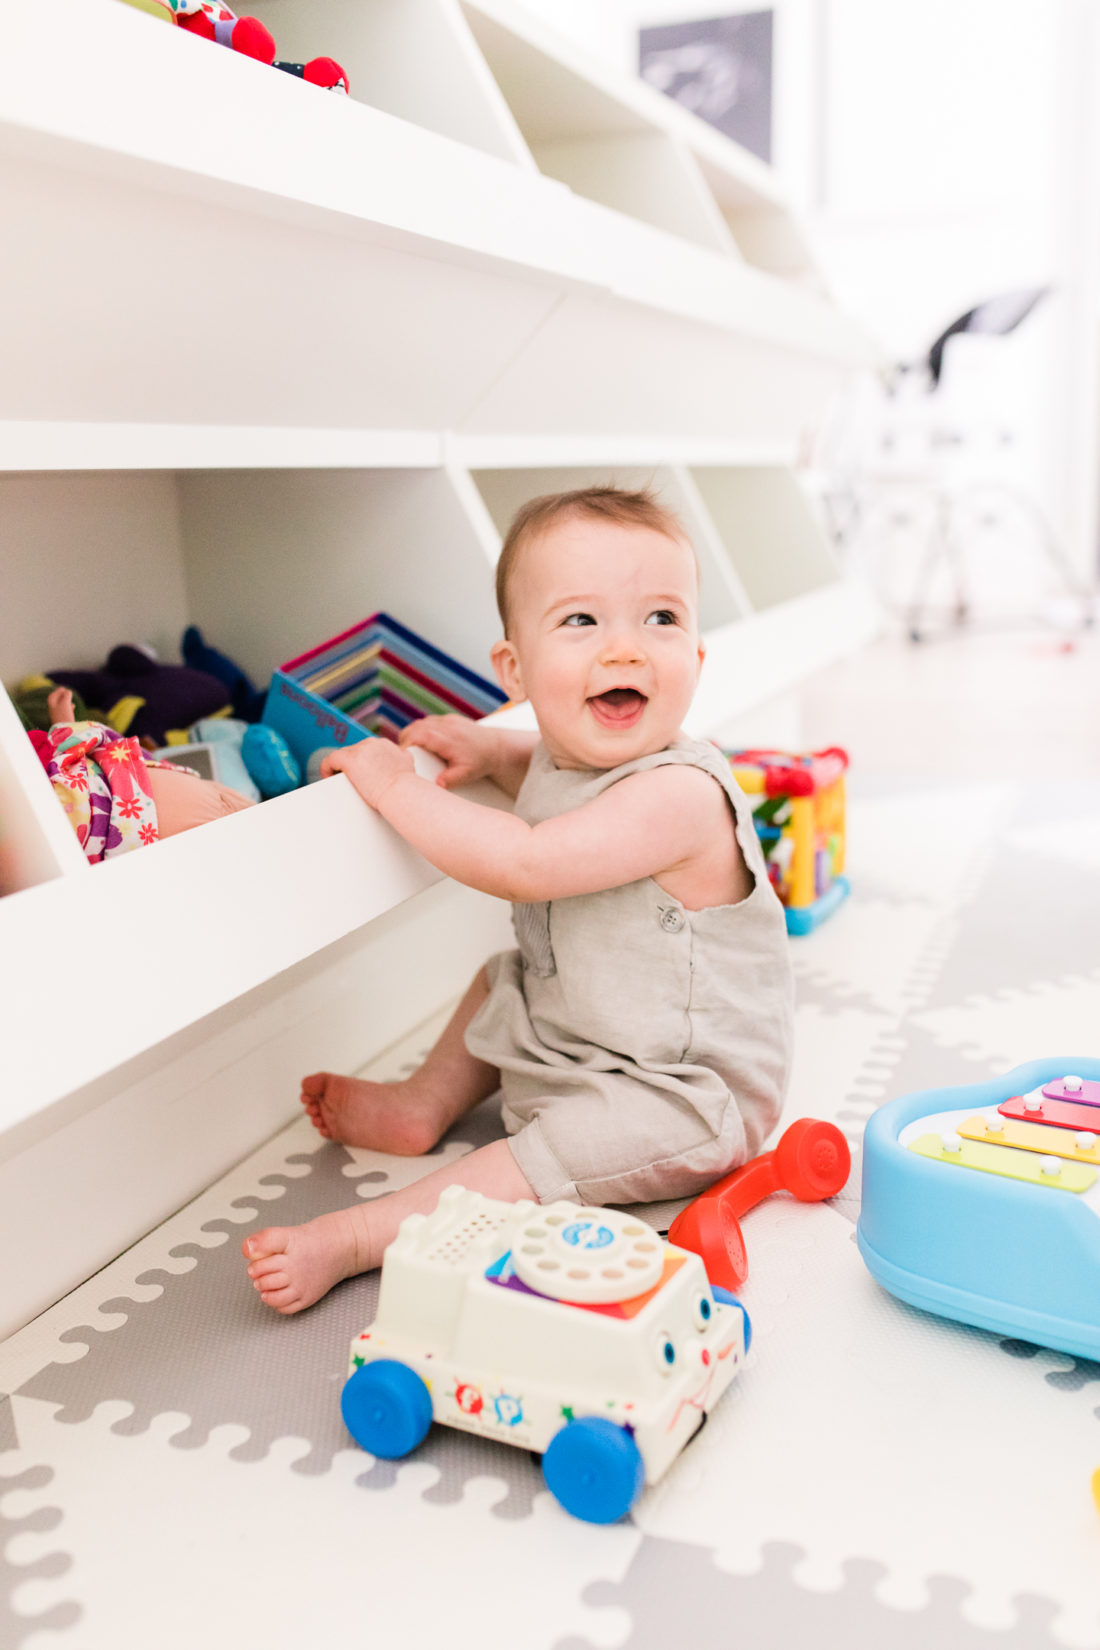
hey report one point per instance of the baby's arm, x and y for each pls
(666, 819)
(473, 750)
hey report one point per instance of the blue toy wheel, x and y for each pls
(594, 1468)
(386, 1408)
(726, 1299)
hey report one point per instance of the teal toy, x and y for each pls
(982, 1203)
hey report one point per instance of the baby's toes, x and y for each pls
(265, 1273)
(284, 1299)
(273, 1240)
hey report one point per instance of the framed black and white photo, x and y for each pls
(720, 68)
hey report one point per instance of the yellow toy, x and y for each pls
(798, 810)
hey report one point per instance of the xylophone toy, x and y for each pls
(982, 1203)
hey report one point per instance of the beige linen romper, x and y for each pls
(643, 1048)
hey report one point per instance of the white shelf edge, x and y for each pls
(523, 452)
(61, 446)
(220, 892)
(758, 657)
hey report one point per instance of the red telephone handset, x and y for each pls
(811, 1160)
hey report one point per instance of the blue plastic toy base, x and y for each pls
(595, 1469)
(386, 1408)
(803, 919)
(726, 1299)
(1004, 1255)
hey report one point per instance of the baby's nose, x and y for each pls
(626, 647)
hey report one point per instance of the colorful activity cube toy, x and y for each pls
(576, 1332)
(372, 679)
(982, 1203)
(799, 812)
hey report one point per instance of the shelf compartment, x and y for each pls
(345, 543)
(267, 563)
(766, 234)
(596, 140)
(411, 58)
(720, 597)
(615, 140)
(771, 534)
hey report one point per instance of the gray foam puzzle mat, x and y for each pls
(770, 1611)
(173, 1469)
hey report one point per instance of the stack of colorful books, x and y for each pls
(372, 679)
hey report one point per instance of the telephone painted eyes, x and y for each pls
(664, 1351)
(702, 1311)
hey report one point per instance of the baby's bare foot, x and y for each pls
(293, 1266)
(402, 1118)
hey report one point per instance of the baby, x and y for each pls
(641, 1033)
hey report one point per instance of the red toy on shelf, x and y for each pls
(811, 1160)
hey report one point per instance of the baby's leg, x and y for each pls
(408, 1117)
(293, 1266)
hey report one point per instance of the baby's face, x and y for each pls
(605, 640)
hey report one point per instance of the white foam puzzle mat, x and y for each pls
(174, 1470)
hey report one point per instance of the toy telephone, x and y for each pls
(811, 1161)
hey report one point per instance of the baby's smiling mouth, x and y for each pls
(618, 707)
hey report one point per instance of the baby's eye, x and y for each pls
(576, 619)
(663, 615)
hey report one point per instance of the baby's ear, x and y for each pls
(506, 666)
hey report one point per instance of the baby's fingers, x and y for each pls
(455, 773)
(426, 731)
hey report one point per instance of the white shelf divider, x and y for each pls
(771, 533)
(37, 842)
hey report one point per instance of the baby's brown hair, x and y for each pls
(629, 508)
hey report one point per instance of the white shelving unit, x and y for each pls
(287, 364)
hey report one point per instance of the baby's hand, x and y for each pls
(467, 750)
(60, 705)
(372, 765)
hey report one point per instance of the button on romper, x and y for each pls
(643, 1048)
